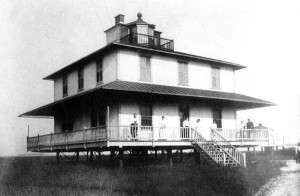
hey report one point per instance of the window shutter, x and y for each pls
(215, 77)
(145, 69)
(183, 73)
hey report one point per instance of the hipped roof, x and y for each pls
(112, 46)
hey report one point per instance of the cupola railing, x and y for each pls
(148, 41)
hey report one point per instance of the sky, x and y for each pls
(39, 37)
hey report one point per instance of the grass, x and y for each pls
(43, 176)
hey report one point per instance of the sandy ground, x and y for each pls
(286, 184)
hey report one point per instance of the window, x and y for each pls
(183, 74)
(99, 72)
(65, 86)
(217, 116)
(98, 117)
(145, 69)
(80, 79)
(215, 78)
(67, 124)
(146, 115)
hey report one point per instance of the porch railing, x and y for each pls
(147, 133)
(65, 138)
(246, 134)
(147, 40)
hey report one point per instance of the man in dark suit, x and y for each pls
(249, 125)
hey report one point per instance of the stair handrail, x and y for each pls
(201, 141)
(232, 151)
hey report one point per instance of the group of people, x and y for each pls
(185, 131)
(244, 129)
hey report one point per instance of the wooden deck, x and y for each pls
(115, 136)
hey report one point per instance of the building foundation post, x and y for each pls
(91, 156)
(77, 156)
(57, 157)
(170, 158)
(121, 152)
(87, 156)
(112, 155)
(155, 154)
(197, 157)
(181, 155)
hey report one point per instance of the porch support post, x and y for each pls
(57, 156)
(87, 155)
(181, 155)
(254, 152)
(107, 124)
(77, 156)
(197, 157)
(170, 158)
(99, 155)
(121, 158)
(91, 156)
(155, 153)
(112, 155)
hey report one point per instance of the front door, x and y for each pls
(184, 112)
(217, 116)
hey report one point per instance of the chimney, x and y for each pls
(119, 19)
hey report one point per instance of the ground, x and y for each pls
(41, 175)
(288, 183)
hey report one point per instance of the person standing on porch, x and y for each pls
(134, 124)
(214, 127)
(240, 134)
(197, 128)
(186, 131)
(162, 128)
(249, 126)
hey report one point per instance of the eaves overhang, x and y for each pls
(238, 101)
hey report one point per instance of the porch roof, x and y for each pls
(239, 101)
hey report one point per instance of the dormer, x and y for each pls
(137, 32)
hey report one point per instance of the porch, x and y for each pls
(119, 136)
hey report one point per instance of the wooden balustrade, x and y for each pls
(147, 133)
(245, 134)
(148, 41)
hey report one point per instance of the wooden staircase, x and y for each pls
(218, 150)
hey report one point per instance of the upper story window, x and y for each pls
(65, 86)
(80, 79)
(183, 74)
(99, 75)
(145, 69)
(215, 78)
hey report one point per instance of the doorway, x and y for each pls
(217, 116)
(184, 112)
